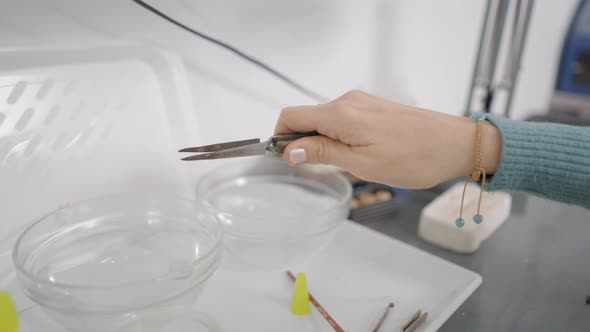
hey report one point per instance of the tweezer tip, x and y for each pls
(391, 305)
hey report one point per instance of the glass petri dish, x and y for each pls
(92, 264)
(33, 319)
(172, 319)
(276, 215)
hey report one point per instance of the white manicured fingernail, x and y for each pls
(297, 156)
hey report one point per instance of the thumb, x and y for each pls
(318, 150)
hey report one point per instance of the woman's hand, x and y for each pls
(380, 141)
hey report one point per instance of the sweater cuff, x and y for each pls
(547, 159)
(506, 177)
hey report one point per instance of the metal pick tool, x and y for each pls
(383, 316)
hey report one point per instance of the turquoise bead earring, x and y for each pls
(478, 218)
(460, 222)
(478, 172)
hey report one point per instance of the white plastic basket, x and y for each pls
(80, 122)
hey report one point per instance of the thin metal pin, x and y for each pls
(383, 316)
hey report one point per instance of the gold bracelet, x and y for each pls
(478, 172)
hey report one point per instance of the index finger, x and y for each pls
(301, 119)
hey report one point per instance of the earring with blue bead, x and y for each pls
(478, 172)
(478, 218)
(460, 222)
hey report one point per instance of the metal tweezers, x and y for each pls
(418, 318)
(249, 147)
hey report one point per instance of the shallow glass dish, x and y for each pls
(275, 215)
(104, 264)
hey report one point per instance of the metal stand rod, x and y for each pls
(482, 81)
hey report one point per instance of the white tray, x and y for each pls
(353, 279)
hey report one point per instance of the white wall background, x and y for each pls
(415, 51)
(327, 45)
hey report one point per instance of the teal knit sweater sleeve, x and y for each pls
(546, 159)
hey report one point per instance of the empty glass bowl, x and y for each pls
(275, 215)
(117, 262)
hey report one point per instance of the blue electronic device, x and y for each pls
(570, 102)
(574, 69)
